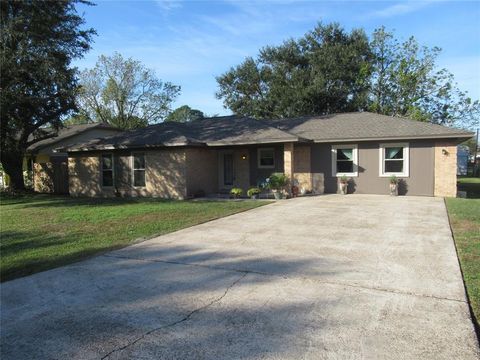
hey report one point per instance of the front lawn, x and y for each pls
(465, 221)
(40, 232)
(469, 184)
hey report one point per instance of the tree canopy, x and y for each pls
(185, 114)
(330, 70)
(124, 93)
(325, 71)
(39, 41)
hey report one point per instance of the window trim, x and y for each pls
(102, 170)
(406, 160)
(354, 147)
(259, 150)
(132, 164)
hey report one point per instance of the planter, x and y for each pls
(394, 189)
(278, 195)
(254, 197)
(343, 188)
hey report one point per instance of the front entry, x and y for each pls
(227, 170)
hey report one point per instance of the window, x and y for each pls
(344, 160)
(138, 170)
(266, 158)
(107, 170)
(394, 159)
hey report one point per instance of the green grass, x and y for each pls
(465, 221)
(40, 232)
(471, 185)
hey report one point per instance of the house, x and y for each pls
(48, 168)
(180, 160)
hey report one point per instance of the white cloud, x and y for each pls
(168, 5)
(398, 9)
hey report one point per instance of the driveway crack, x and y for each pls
(185, 318)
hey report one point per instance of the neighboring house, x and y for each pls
(463, 154)
(180, 160)
(50, 169)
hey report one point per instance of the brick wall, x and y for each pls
(302, 167)
(445, 169)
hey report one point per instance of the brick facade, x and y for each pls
(445, 169)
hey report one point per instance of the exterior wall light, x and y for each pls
(244, 157)
(445, 152)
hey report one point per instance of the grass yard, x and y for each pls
(40, 232)
(465, 221)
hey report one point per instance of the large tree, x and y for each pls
(406, 82)
(124, 93)
(39, 40)
(185, 114)
(325, 71)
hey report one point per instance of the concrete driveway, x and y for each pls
(330, 277)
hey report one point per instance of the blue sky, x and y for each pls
(190, 42)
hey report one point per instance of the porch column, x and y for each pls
(288, 163)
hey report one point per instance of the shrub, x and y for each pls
(277, 181)
(393, 180)
(253, 191)
(236, 192)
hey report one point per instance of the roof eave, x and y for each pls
(386, 138)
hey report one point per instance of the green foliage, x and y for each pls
(406, 82)
(253, 191)
(39, 41)
(236, 192)
(325, 71)
(393, 180)
(124, 93)
(343, 179)
(185, 114)
(330, 70)
(277, 181)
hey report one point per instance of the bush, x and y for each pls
(393, 180)
(253, 191)
(277, 181)
(236, 192)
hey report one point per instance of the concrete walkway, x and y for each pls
(330, 277)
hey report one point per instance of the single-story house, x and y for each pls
(210, 156)
(49, 169)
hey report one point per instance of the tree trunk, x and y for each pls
(13, 166)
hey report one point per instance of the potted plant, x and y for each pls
(344, 185)
(253, 193)
(393, 185)
(236, 192)
(277, 182)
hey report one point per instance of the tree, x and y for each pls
(185, 114)
(39, 41)
(124, 93)
(325, 71)
(406, 82)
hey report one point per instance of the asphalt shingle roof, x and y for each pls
(65, 133)
(234, 130)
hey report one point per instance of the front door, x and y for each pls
(226, 170)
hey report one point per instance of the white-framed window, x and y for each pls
(107, 170)
(344, 160)
(394, 159)
(266, 158)
(138, 169)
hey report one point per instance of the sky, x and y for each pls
(189, 43)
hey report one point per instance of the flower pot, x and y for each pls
(394, 189)
(278, 195)
(254, 197)
(344, 188)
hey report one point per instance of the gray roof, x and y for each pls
(66, 133)
(235, 130)
(365, 126)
